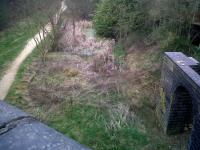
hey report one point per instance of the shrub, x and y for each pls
(119, 51)
(121, 17)
(105, 19)
(168, 21)
(170, 41)
(196, 51)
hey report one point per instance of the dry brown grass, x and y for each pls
(70, 78)
(69, 75)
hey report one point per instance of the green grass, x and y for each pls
(119, 51)
(87, 125)
(12, 42)
(15, 96)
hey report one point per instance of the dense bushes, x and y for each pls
(168, 22)
(106, 17)
(120, 17)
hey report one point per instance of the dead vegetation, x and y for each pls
(69, 75)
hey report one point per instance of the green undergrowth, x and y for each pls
(87, 124)
(119, 51)
(14, 96)
(12, 41)
(157, 136)
(171, 42)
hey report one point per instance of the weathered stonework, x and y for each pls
(20, 131)
(181, 86)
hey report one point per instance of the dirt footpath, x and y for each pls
(9, 77)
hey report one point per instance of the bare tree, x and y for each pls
(48, 21)
(77, 10)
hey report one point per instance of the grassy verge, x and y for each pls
(12, 42)
(95, 128)
(15, 96)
